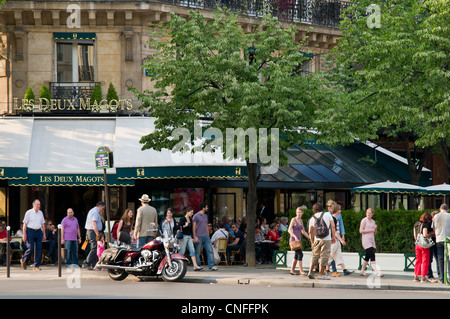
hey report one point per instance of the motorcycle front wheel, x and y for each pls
(176, 272)
(117, 274)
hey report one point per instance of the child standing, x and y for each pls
(100, 247)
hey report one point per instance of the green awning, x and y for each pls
(69, 180)
(206, 172)
(13, 172)
(74, 35)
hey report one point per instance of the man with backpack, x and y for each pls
(322, 233)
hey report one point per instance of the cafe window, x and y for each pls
(75, 54)
(75, 62)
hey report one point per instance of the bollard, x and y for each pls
(8, 251)
(59, 250)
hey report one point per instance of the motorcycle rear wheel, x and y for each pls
(176, 272)
(117, 274)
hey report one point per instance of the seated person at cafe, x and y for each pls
(3, 235)
(273, 236)
(237, 243)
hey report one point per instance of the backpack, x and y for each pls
(320, 227)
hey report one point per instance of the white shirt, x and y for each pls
(34, 219)
(327, 218)
(220, 233)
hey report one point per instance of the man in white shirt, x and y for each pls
(321, 246)
(441, 226)
(33, 233)
(93, 227)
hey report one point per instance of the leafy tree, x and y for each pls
(214, 71)
(392, 80)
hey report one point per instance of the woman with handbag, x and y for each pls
(296, 230)
(422, 228)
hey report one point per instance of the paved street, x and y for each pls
(156, 289)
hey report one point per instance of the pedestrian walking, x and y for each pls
(70, 237)
(201, 237)
(433, 252)
(368, 229)
(93, 227)
(441, 226)
(423, 226)
(322, 233)
(169, 226)
(296, 230)
(33, 234)
(336, 247)
(126, 224)
(186, 241)
(146, 226)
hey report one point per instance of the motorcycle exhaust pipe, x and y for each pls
(119, 267)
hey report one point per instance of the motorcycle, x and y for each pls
(158, 257)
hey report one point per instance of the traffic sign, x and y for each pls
(103, 158)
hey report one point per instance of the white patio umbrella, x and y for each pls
(390, 188)
(438, 190)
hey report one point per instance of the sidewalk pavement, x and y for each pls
(265, 275)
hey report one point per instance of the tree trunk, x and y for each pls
(252, 201)
(445, 150)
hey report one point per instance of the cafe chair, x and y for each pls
(222, 248)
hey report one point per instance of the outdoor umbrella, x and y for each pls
(390, 188)
(438, 190)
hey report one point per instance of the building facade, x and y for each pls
(64, 53)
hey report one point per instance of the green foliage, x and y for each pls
(393, 79)
(394, 235)
(212, 68)
(96, 95)
(29, 95)
(44, 93)
(111, 94)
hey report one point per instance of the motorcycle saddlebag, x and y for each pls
(109, 256)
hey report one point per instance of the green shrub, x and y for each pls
(44, 93)
(96, 95)
(29, 95)
(112, 94)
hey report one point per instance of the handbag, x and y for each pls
(180, 235)
(423, 241)
(295, 245)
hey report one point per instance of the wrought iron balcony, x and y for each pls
(71, 90)
(315, 12)
(71, 96)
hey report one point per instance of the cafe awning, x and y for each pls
(55, 151)
(134, 163)
(15, 140)
(69, 180)
(60, 151)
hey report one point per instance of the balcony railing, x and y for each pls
(71, 90)
(315, 12)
